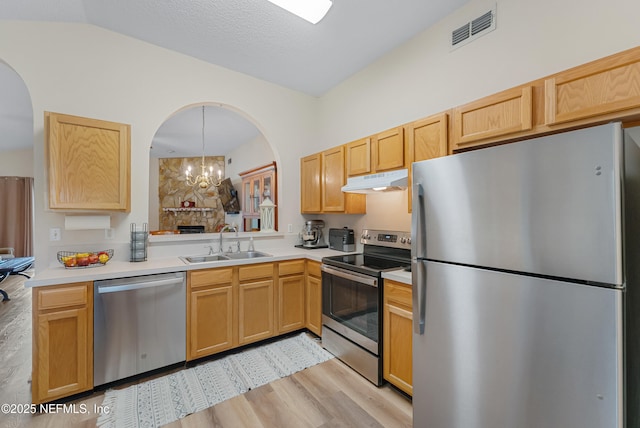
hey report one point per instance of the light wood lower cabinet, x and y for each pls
(234, 306)
(398, 335)
(314, 298)
(63, 341)
(291, 299)
(255, 303)
(211, 311)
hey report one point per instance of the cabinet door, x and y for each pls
(314, 303)
(291, 303)
(63, 358)
(89, 163)
(605, 86)
(333, 180)
(255, 310)
(247, 197)
(210, 323)
(310, 184)
(388, 150)
(505, 113)
(428, 139)
(256, 195)
(398, 336)
(359, 157)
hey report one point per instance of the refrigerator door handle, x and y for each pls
(418, 252)
(418, 243)
(419, 294)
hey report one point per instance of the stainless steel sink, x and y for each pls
(246, 255)
(204, 258)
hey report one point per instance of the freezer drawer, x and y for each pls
(503, 350)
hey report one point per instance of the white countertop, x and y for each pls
(120, 269)
(398, 275)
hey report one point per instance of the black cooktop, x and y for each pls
(367, 264)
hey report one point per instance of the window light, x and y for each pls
(311, 10)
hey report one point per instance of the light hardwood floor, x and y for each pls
(327, 395)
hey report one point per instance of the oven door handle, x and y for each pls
(363, 279)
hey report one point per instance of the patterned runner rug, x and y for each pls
(169, 398)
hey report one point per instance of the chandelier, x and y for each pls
(205, 178)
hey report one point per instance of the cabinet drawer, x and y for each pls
(201, 278)
(290, 268)
(313, 269)
(397, 293)
(60, 297)
(263, 270)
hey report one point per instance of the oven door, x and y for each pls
(351, 306)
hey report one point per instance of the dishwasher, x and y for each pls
(139, 325)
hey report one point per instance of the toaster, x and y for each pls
(342, 239)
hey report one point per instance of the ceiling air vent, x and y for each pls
(474, 29)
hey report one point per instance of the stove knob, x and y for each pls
(409, 240)
(366, 236)
(403, 240)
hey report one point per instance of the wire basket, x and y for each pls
(82, 260)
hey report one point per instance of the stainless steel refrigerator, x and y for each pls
(525, 273)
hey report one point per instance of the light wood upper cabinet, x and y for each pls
(322, 176)
(359, 157)
(398, 335)
(605, 86)
(388, 150)
(89, 163)
(384, 151)
(63, 341)
(333, 179)
(310, 184)
(428, 139)
(501, 114)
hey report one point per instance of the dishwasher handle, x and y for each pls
(139, 286)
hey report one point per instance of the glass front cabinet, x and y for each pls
(258, 184)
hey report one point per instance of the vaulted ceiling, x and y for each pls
(255, 37)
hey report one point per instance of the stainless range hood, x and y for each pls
(384, 181)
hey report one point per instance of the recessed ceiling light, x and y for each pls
(311, 10)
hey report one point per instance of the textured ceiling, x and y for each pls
(255, 37)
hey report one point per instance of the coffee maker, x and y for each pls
(311, 235)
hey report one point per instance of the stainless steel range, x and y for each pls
(352, 299)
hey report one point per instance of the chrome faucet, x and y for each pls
(235, 229)
(210, 247)
(237, 240)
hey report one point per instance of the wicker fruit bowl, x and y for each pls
(73, 260)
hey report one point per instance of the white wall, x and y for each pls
(423, 77)
(532, 39)
(17, 163)
(251, 155)
(87, 71)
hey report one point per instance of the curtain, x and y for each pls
(16, 214)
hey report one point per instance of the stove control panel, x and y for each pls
(386, 238)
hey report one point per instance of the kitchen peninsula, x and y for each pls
(284, 284)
